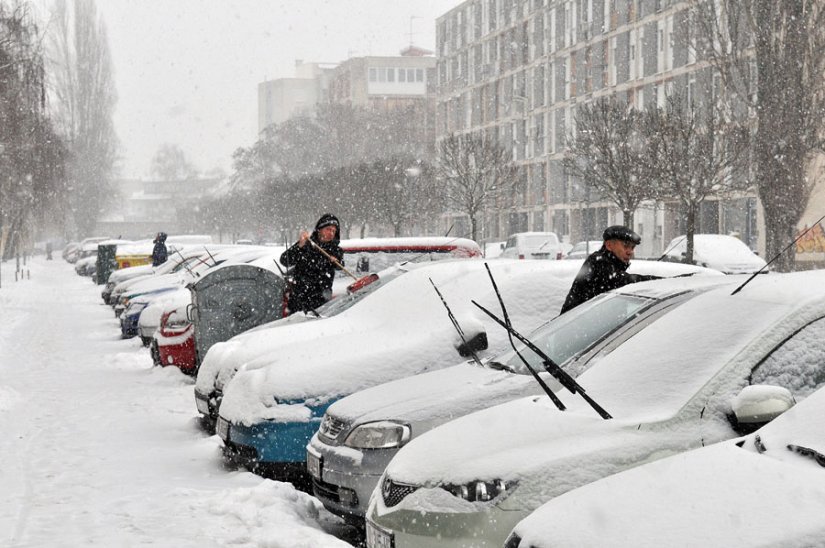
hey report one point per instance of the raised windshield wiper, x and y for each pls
(498, 366)
(549, 365)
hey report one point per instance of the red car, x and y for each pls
(175, 341)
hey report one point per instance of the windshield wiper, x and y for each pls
(498, 366)
(808, 452)
(549, 365)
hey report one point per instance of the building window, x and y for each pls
(419, 75)
(373, 75)
(402, 75)
(390, 75)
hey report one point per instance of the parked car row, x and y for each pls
(408, 409)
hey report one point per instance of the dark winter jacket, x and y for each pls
(601, 271)
(311, 271)
(159, 253)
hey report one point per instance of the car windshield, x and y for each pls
(576, 331)
(344, 302)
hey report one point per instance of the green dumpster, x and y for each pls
(106, 262)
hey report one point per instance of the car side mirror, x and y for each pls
(759, 404)
(476, 343)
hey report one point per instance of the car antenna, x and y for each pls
(552, 367)
(558, 403)
(738, 289)
(456, 325)
(670, 249)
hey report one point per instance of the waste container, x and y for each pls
(231, 300)
(106, 262)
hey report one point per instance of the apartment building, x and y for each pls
(517, 70)
(282, 98)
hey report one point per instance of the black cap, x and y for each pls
(619, 232)
(327, 219)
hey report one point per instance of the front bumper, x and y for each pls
(340, 481)
(266, 442)
(129, 325)
(413, 528)
(181, 355)
(208, 405)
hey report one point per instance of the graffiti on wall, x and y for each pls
(813, 241)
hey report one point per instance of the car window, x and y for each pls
(574, 332)
(797, 364)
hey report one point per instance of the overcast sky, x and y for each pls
(187, 70)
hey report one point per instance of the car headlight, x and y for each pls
(378, 435)
(481, 491)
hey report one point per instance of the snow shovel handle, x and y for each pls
(332, 259)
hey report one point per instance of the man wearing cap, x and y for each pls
(312, 271)
(606, 268)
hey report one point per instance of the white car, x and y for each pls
(361, 433)
(533, 245)
(583, 249)
(275, 402)
(765, 489)
(669, 388)
(724, 253)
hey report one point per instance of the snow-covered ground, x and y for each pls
(100, 448)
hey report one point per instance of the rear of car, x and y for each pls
(533, 245)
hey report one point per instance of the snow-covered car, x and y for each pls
(177, 263)
(185, 273)
(221, 363)
(533, 245)
(122, 275)
(764, 489)
(150, 319)
(582, 250)
(724, 253)
(669, 389)
(361, 433)
(87, 265)
(274, 405)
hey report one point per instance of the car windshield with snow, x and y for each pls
(669, 388)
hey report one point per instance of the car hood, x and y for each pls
(530, 442)
(153, 283)
(735, 475)
(436, 396)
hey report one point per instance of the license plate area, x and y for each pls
(202, 405)
(222, 428)
(378, 537)
(315, 465)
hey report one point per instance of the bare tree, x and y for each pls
(84, 99)
(694, 154)
(474, 170)
(771, 56)
(32, 157)
(608, 154)
(170, 163)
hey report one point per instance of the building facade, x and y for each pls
(517, 70)
(283, 98)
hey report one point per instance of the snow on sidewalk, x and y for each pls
(100, 448)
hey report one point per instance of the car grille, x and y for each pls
(330, 428)
(393, 492)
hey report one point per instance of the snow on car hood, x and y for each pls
(400, 330)
(436, 396)
(730, 479)
(131, 272)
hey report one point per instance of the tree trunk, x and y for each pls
(689, 233)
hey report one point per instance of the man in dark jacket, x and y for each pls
(606, 268)
(312, 271)
(159, 254)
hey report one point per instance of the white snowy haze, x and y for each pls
(187, 71)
